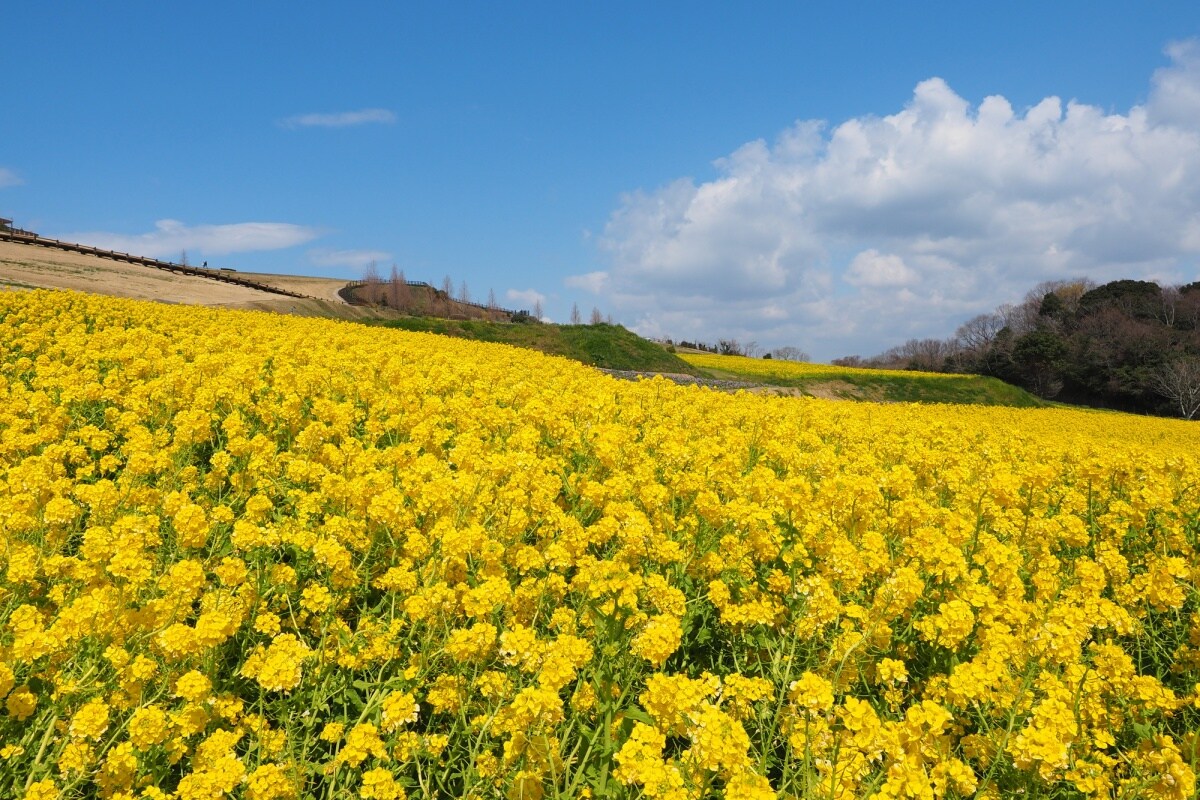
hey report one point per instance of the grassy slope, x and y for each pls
(607, 346)
(881, 385)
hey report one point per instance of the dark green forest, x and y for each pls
(1127, 345)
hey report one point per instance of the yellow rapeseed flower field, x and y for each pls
(253, 556)
(777, 369)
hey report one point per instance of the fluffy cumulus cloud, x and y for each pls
(9, 178)
(857, 237)
(170, 237)
(341, 119)
(359, 259)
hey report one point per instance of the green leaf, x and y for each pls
(637, 715)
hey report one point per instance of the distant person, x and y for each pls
(206, 265)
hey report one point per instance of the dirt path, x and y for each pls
(684, 379)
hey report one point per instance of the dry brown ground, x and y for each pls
(24, 266)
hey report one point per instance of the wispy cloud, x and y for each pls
(358, 259)
(9, 178)
(528, 298)
(341, 119)
(592, 282)
(857, 237)
(170, 237)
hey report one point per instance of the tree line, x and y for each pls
(1128, 345)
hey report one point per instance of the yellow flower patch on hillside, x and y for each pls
(246, 555)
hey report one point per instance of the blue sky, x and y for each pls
(832, 178)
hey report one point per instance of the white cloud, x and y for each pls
(1176, 89)
(170, 237)
(856, 237)
(347, 258)
(872, 268)
(528, 298)
(9, 178)
(341, 119)
(594, 282)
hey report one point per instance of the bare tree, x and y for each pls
(923, 354)
(1021, 318)
(1179, 381)
(576, 317)
(373, 289)
(1188, 308)
(537, 310)
(183, 258)
(464, 294)
(442, 300)
(977, 334)
(492, 299)
(399, 295)
(597, 317)
(789, 353)
(1169, 308)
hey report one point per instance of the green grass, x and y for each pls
(602, 345)
(965, 389)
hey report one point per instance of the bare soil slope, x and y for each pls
(320, 288)
(24, 266)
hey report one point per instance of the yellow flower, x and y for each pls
(812, 693)
(316, 598)
(640, 761)
(193, 687)
(7, 680)
(332, 732)
(747, 785)
(279, 667)
(90, 721)
(361, 743)
(191, 526)
(41, 790)
(658, 639)
(719, 742)
(270, 782)
(380, 784)
(446, 694)
(890, 670)
(148, 726)
(76, 757)
(399, 708)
